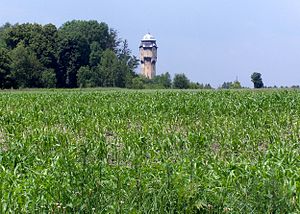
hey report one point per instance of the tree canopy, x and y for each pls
(5, 62)
(257, 80)
(231, 85)
(181, 81)
(79, 53)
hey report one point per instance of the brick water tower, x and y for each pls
(148, 56)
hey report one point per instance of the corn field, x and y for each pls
(122, 151)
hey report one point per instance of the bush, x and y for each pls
(137, 83)
(181, 81)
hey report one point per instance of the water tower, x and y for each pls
(148, 56)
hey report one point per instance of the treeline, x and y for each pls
(77, 54)
(164, 81)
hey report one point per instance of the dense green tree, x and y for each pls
(257, 80)
(137, 83)
(13, 35)
(4, 69)
(113, 42)
(196, 85)
(163, 80)
(40, 39)
(231, 85)
(226, 85)
(181, 81)
(122, 72)
(236, 85)
(26, 69)
(85, 43)
(2, 43)
(72, 54)
(108, 68)
(59, 54)
(85, 77)
(95, 55)
(207, 86)
(4, 27)
(92, 31)
(88, 77)
(2, 34)
(24, 33)
(44, 45)
(166, 80)
(48, 78)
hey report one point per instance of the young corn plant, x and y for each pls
(123, 151)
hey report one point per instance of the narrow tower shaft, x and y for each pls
(148, 56)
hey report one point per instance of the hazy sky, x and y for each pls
(211, 41)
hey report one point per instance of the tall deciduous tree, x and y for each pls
(72, 54)
(91, 31)
(257, 80)
(42, 40)
(83, 43)
(44, 45)
(26, 69)
(89, 45)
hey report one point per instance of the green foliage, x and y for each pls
(109, 68)
(26, 70)
(193, 85)
(48, 78)
(40, 39)
(2, 33)
(44, 44)
(126, 66)
(180, 81)
(72, 54)
(257, 80)
(91, 31)
(236, 85)
(127, 151)
(137, 83)
(95, 55)
(125, 56)
(4, 69)
(88, 77)
(226, 85)
(65, 50)
(231, 85)
(2, 44)
(163, 80)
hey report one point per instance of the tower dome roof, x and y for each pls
(148, 37)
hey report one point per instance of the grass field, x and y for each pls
(115, 151)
